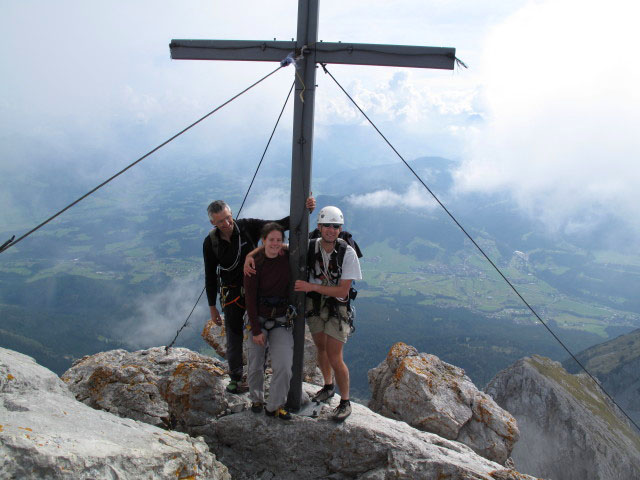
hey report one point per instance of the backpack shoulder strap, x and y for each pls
(342, 249)
(311, 254)
(347, 237)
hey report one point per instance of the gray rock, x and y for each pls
(178, 389)
(569, 429)
(46, 433)
(365, 446)
(434, 396)
(623, 383)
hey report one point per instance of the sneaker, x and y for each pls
(342, 411)
(324, 394)
(257, 407)
(278, 412)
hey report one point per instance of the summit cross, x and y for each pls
(308, 52)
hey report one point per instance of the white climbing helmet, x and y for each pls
(331, 215)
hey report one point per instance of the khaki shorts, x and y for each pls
(332, 326)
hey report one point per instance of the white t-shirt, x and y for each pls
(351, 265)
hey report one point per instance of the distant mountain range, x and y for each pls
(84, 283)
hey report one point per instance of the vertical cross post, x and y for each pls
(302, 151)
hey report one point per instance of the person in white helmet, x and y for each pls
(333, 265)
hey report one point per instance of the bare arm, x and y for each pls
(339, 291)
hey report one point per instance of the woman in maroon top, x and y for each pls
(267, 297)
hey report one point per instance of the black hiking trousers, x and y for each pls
(234, 327)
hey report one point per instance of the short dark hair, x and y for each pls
(270, 227)
(216, 207)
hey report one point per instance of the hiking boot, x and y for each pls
(257, 407)
(324, 394)
(342, 411)
(281, 412)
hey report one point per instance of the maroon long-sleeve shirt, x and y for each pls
(271, 280)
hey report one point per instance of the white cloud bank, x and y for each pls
(561, 92)
(159, 316)
(415, 197)
(272, 203)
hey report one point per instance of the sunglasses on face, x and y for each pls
(332, 225)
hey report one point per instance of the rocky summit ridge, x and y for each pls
(160, 414)
(184, 391)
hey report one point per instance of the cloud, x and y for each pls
(415, 197)
(562, 114)
(272, 203)
(399, 96)
(160, 315)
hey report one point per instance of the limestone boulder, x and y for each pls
(214, 335)
(434, 396)
(46, 433)
(176, 388)
(569, 428)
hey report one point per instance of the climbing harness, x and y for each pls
(270, 323)
(273, 321)
(230, 294)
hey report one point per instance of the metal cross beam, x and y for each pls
(311, 52)
(323, 52)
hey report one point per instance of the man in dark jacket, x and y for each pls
(224, 251)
